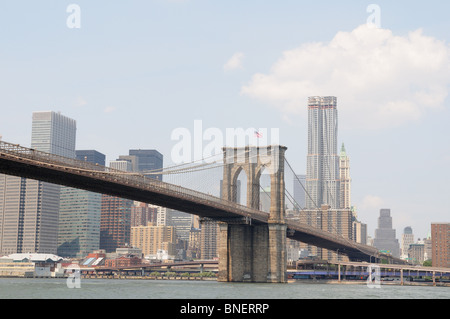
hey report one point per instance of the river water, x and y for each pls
(53, 288)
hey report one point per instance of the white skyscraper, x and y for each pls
(406, 241)
(322, 176)
(53, 133)
(345, 180)
(28, 208)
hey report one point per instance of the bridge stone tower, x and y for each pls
(254, 253)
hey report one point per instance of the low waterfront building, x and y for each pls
(30, 265)
(123, 261)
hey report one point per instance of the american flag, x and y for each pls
(258, 135)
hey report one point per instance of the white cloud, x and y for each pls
(109, 109)
(235, 62)
(380, 79)
(80, 102)
(371, 203)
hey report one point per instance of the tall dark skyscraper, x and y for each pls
(148, 161)
(322, 176)
(91, 156)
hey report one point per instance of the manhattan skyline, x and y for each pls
(135, 72)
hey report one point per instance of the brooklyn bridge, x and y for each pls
(252, 244)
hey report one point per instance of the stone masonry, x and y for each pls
(254, 253)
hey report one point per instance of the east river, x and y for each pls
(53, 288)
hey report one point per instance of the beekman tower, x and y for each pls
(322, 175)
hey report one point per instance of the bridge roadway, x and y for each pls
(25, 162)
(179, 265)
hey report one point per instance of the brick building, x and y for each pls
(440, 244)
(123, 261)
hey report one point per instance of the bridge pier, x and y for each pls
(254, 253)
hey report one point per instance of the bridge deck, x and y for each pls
(24, 162)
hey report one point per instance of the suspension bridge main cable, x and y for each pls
(174, 170)
(296, 177)
(351, 242)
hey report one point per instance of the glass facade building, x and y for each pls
(79, 216)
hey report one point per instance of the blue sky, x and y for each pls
(137, 70)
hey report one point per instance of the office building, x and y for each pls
(322, 176)
(115, 222)
(345, 180)
(335, 221)
(91, 156)
(299, 191)
(209, 237)
(115, 217)
(406, 241)
(53, 133)
(29, 209)
(79, 223)
(182, 222)
(118, 215)
(385, 239)
(359, 232)
(440, 244)
(428, 253)
(416, 253)
(151, 238)
(121, 165)
(142, 214)
(194, 251)
(79, 216)
(148, 162)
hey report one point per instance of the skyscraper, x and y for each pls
(407, 240)
(142, 214)
(385, 235)
(115, 222)
(299, 191)
(440, 243)
(79, 215)
(322, 176)
(29, 209)
(115, 218)
(148, 161)
(91, 156)
(116, 215)
(345, 180)
(53, 133)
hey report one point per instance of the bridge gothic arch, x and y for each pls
(254, 161)
(249, 252)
